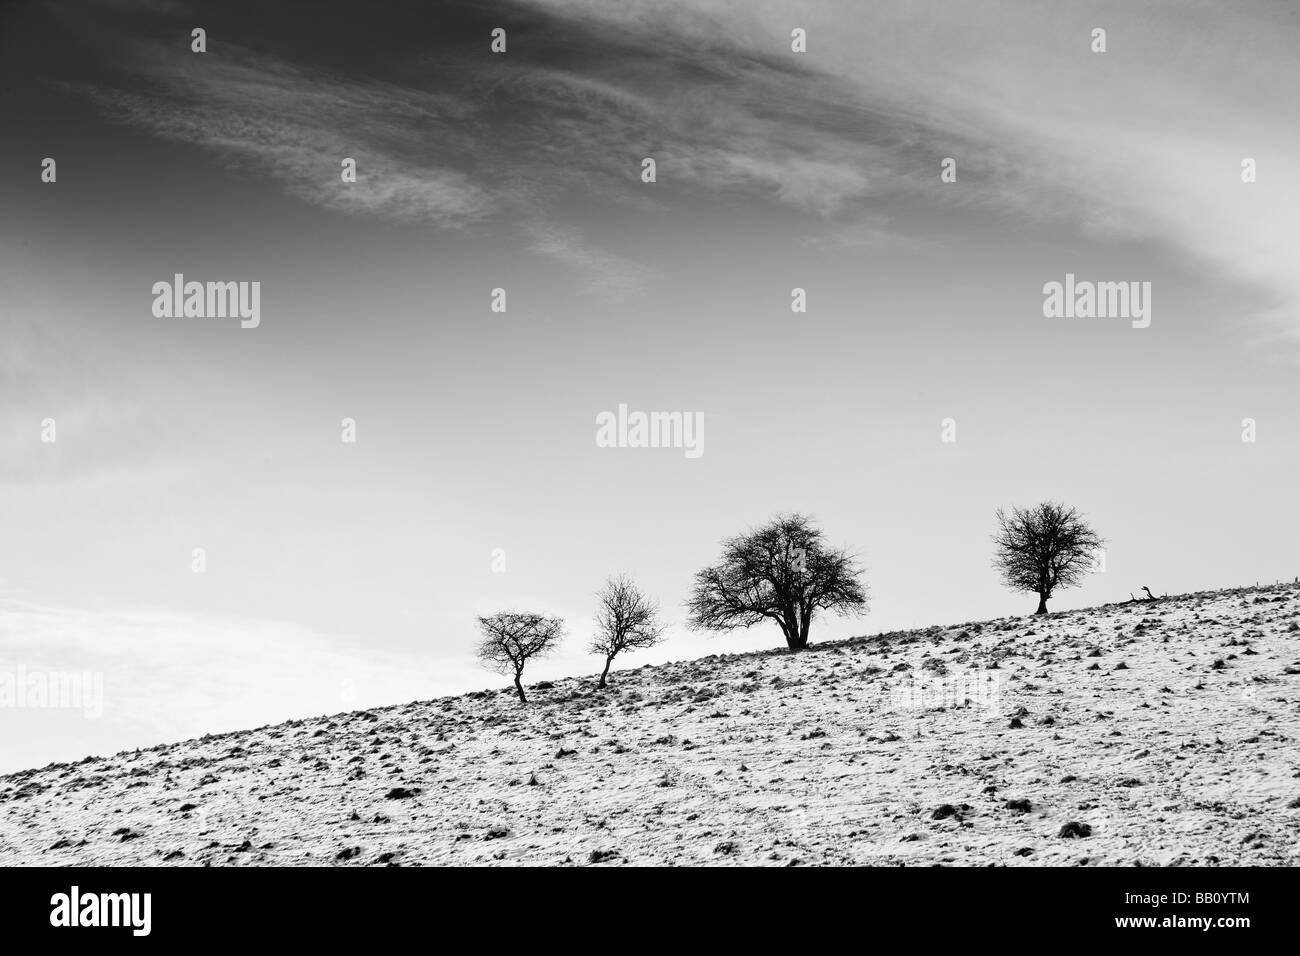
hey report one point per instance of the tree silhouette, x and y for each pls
(511, 639)
(1042, 548)
(782, 572)
(626, 620)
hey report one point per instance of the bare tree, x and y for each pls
(1042, 548)
(626, 620)
(511, 639)
(782, 572)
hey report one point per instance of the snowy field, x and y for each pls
(1145, 733)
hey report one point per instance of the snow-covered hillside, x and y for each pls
(1153, 733)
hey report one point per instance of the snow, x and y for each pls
(892, 749)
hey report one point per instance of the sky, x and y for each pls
(342, 575)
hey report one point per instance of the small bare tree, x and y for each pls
(783, 572)
(511, 639)
(626, 620)
(1042, 548)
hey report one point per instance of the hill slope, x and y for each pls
(1169, 730)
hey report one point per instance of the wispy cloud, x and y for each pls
(1141, 143)
(297, 126)
(608, 276)
(518, 143)
(169, 676)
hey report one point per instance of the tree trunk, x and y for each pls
(1042, 604)
(605, 672)
(520, 688)
(794, 639)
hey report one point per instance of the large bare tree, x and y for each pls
(1044, 547)
(512, 638)
(782, 572)
(626, 620)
